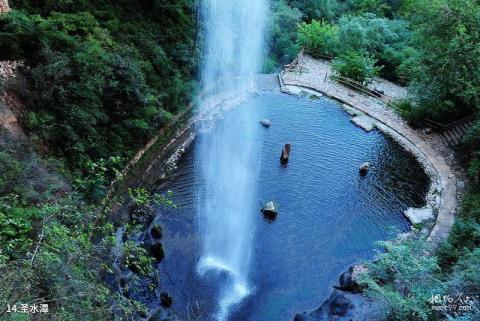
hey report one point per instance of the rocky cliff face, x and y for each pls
(4, 6)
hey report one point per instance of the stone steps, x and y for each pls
(454, 135)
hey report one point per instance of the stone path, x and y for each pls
(312, 74)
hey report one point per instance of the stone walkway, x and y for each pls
(312, 74)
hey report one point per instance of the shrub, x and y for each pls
(405, 277)
(10, 169)
(356, 66)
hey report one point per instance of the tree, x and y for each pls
(386, 40)
(283, 35)
(324, 10)
(318, 38)
(445, 71)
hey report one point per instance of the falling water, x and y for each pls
(233, 48)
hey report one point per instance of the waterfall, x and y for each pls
(233, 50)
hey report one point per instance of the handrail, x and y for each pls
(442, 127)
(295, 61)
(361, 87)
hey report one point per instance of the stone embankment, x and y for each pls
(313, 75)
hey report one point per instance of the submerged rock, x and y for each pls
(156, 250)
(285, 154)
(348, 279)
(166, 300)
(419, 215)
(364, 168)
(156, 232)
(270, 210)
(344, 306)
(265, 123)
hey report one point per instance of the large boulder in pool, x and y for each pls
(285, 155)
(156, 231)
(363, 169)
(156, 250)
(265, 123)
(166, 300)
(344, 306)
(348, 279)
(270, 210)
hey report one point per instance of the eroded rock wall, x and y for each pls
(8, 68)
(4, 7)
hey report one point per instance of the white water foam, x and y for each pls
(228, 165)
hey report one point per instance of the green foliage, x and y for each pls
(326, 10)
(10, 169)
(318, 38)
(356, 66)
(465, 277)
(138, 259)
(139, 196)
(47, 255)
(405, 277)
(378, 7)
(412, 112)
(164, 200)
(282, 33)
(465, 234)
(445, 70)
(384, 39)
(96, 175)
(102, 79)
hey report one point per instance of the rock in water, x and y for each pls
(419, 215)
(156, 232)
(364, 168)
(156, 250)
(166, 300)
(265, 123)
(270, 210)
(348, 279)
(285, 154)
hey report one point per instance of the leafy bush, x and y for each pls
(412, 112)
(318, 38)
(324, 10)
(379, 7)
(10, 169)
(356, 66)
(384, 39)
(405, 277)
(465, 277)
